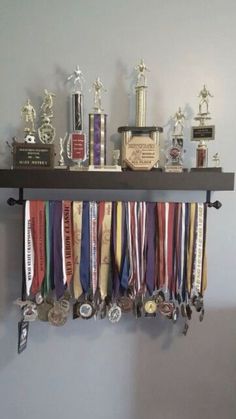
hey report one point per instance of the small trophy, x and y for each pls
(31, 155)
(28, 114)
(97, 129)
(140, 144)
(203, 132)
(46, 131)
(174, 153)
(76, 146)
(61, 161)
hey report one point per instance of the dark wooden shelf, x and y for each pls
(128, 180)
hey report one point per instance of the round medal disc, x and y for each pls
(43, 310)
(30, 312)
(114, 313)
(39, 298)
(57, 316)
(150, 306)
(125, 303)
(64, 305)
(86, 310)
(166, 309)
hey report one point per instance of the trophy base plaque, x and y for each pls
(107, 168)
(33, 156)
(173, 169)
(140, 147)
(206, 169)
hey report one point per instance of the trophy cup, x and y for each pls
(76, 146)
(140, 143)
(174, 154)
(203, 132)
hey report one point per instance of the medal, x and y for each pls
(102, 310)
(85, 310)
(64, 305)
(57, 316)
(43, 310)
(30, 312)
(150, 307)
(188, 311)
(183, 310)
(114, 313)
(125, 303)
(166, 309)
(175, 314)
(38, 298)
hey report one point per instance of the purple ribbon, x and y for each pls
(151, 232)
(97, 139)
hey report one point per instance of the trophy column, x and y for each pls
(140, 143)
(76, 147)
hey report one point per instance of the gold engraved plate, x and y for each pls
(141, 153)
(150, 307)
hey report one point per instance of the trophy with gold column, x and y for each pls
(203, 132)
(140, 143)
(76, 146)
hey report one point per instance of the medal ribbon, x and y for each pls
(29, 250)
(197, 275)
(77, 228)
(67, 248)
(47, 282)
(37, 217)
(85, 249)
(190, 247)
(151, 246)
(57, 249)
(161, 244)
(129, 210)
(93, 245)
(105, 211)
(204, 263)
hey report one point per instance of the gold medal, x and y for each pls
(150, 307)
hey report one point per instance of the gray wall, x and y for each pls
(135, 369)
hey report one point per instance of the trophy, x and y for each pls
(140, 143)
(76, 146)
(30, 155)
(28, 114)
(46, 131)
(174, 154)
(203, 132)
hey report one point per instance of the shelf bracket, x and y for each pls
(19, 201)
(216, 204)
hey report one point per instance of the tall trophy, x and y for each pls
(140, 143)
(76, 146)
(203, 132)
(174, 154)
(97, 129)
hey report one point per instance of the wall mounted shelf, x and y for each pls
(128, 180)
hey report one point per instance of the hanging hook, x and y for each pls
(216, 204)
(19, 201)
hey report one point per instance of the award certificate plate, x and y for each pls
(33, 156)
(141, 153)
(78, 149)
(206, 132)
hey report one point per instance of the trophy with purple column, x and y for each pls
(97, 129)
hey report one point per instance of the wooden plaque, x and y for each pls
(141, 153)
(33, 156)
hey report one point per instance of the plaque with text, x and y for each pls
(33, 156)
(206, 132)
(141, 153)
(78, 147)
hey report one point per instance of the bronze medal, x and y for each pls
(166, 309)
(57, 316)
(30, 312)
(43, 310)
(64, 305)
(125, 303)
